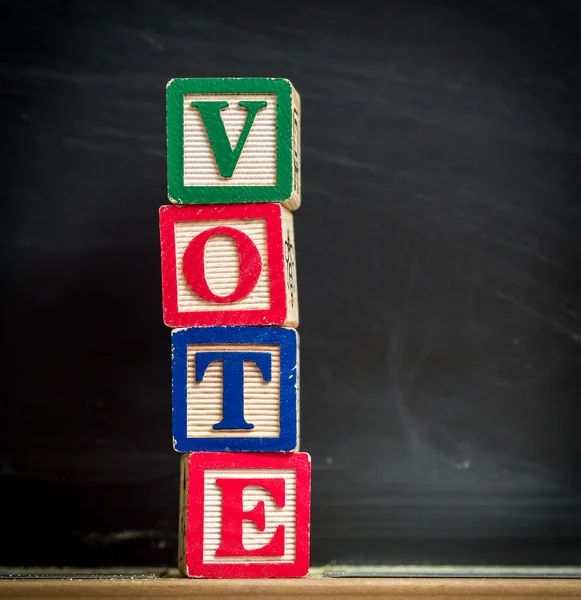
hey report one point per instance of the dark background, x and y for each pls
(438, 255)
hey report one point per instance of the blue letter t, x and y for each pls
(233, 382)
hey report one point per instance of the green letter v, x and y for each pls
(226, 158)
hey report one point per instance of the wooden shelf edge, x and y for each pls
(293, 589)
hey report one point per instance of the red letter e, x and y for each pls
(233, 515)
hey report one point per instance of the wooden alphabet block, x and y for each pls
(233, 140)
(235, 389)
(245, 515)
(228, 265)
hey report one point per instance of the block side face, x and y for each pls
(264, 166)
(182, 531)
(270, 406)
(259, 227)
(206, 516)
(294, 200)
(290, 269)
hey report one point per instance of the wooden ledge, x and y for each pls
(293, 589)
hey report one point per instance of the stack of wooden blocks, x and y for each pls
(230, 293)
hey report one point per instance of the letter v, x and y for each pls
(226, 157)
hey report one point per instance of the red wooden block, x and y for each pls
(228, 265)
(245, 515)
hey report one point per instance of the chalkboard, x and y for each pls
(438, 259)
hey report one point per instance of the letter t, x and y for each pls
(233, 382)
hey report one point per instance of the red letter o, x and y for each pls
(194, 266)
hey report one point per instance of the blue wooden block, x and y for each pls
(235, 389)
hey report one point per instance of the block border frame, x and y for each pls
(287, 339)
(197, 464)
(272, 213)
(178, 193)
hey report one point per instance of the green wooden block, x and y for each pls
(233, 140)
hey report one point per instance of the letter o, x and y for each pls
(194, 266)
